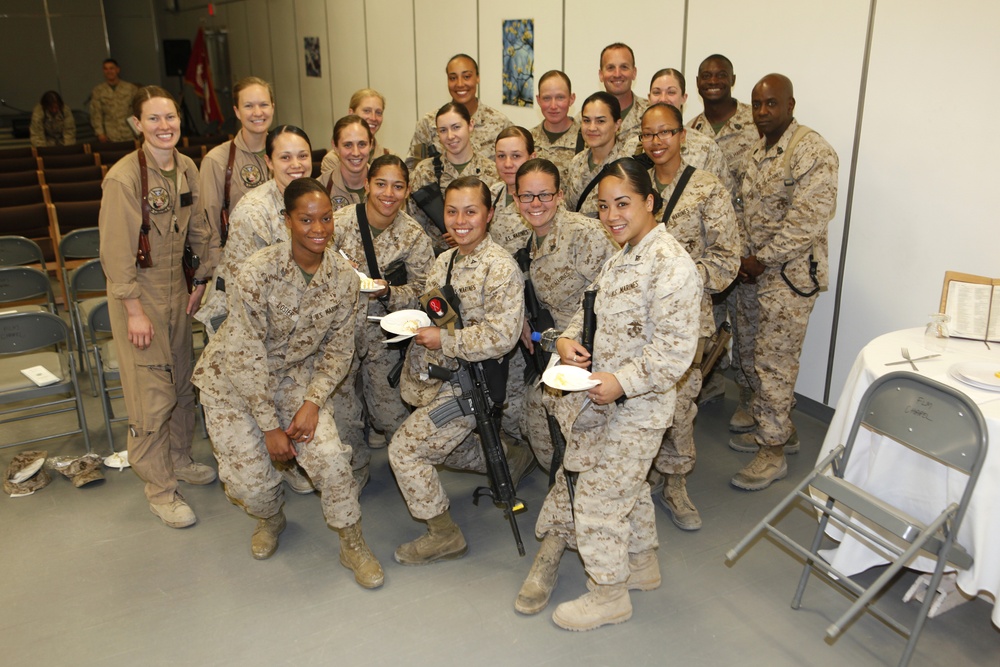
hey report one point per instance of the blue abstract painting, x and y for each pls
(519, 62)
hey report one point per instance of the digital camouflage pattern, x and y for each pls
(110, 109)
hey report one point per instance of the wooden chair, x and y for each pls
(70, 192)
(17, 179)
(7, 165)
(98, 146)
(71, 175)
(68, 161)
(22, 196)
(108, 158)
(210, 140)
(72, 149)
(18, 152)
(193, 152)
(31, 221)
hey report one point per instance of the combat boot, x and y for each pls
(643, 572)
(767, 467)
(747, 442)
(675, 498)
(742, 421)
(176, 513)
(296, 479)
(264, 542)
(361, 477)
(541, 581)
(356, 556)
(605, 605)
(442, 541)
(713, 389)
(521, 461)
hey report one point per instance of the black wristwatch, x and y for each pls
(199, 281)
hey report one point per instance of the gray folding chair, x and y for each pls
(21, 284)
(37, 339)
(20, 251)
(931, 419)
(105, 364)
(87, 286)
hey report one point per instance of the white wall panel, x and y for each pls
(925, 200)
(287, 62)
(390, 45)
(259, 39)
(314, 92)
(653, 30)
(348, 64)
(444, 28)
(548, 50)
(820, 47)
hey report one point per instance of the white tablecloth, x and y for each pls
(909, 480)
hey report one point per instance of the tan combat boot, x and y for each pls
(607, 604)
(767, 467)
(356, 556)
(747, 442)
(442, 541)
(643, 572)
(742, 420)
(675, 498)
(541, 581)
(296, 478)
(264, 542)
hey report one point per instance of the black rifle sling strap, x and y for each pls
(579, 141)
(668, 210)
(369, 246)
(586, 190)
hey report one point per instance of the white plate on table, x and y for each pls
(405, 322)
(979, 374)
(368, 285)
(569, 378)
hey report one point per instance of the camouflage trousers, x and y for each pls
(252, 482)
(535, 424)
(677, 453)
(514, 407)
(419, 445)
(780, 332)
(384, 408)
(747, 313)
(612, 507)
(348, 414)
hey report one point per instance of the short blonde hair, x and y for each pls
(357, 97)
(248, 81)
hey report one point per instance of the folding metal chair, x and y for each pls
(20, 284)
(87, 288)
(21, 251)
(24, 338)
(105, 364)
(931, 419)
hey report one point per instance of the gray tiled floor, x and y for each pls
(91, 577)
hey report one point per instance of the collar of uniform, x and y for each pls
(548, 244)
(291, 272)
(633, 254)
(270, 190)
(473, 259)
(761, 150)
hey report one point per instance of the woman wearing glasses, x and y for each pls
(566, 251)
(698, 150)
(701, 218)
(601, 119)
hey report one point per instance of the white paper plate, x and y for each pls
(979, 374)
(118, 460)
(370, 289)
(569, 378)
(402, 322)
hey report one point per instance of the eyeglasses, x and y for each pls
(543, 197)
(661, 135)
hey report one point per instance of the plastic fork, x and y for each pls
(905, 351)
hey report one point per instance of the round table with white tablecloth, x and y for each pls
(910, 481)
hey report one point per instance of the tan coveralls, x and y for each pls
(156, 382)
(249, 172)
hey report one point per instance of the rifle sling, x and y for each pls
(668, 210)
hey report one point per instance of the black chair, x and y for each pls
(19, 152)
(210, 140)
(72, 149)
(108, 158)
(72, 175)
(22, 196)
(928, 418)
(17, 179)
(31, 221)
(37, 339)
(194, 152)
(99, 146)
(68, 161)
(10, 164)
(57, 193)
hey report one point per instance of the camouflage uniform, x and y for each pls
(340, 195)
(701, 152)
(256, 222)
(486, 125)
(58, 130)
(156, 382)
(736, 137)
(782, 234)
(563, 265)
(403, 241)
(510, 230)
(704, 223)
(249, 171)
(479, 166)
(561, 151)
(110, 109)
(581, 174)
(631, 119)
(284, 343)
(491, 291)
(647, 333)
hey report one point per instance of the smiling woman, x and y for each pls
(266, 376)
(151, 205)
(353, 139)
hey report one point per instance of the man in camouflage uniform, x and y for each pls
(111, 105)
(730, 123)
(463, 85)
(647, 332)
(786, 260)
(617, 73)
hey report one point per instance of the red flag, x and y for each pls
(199, 75)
